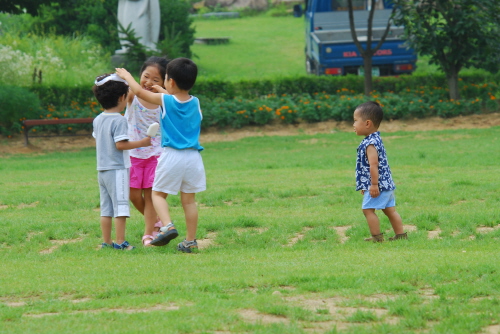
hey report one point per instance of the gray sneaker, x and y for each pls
(187, 246)
(167, 234)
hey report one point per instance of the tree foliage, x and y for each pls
(19, 6)
(93, 18)
(456, 34)
(367, 53)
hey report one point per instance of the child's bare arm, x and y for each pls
(371, 153)
(130, 96)
(148, 96)
(128, 145)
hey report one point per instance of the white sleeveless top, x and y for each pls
(139, 119)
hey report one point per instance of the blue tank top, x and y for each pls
(363, 178)
(181, 123)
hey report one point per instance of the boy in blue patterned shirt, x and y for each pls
(373, 175)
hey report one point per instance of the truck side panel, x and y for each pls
(331, 50)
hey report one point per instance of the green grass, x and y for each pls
(260, 47)
(262, 193)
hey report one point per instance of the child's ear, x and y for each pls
(172, 82)
(122, 98)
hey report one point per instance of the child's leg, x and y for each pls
(120, 223)
(372, 220)
(395, 219)
(191, 213)
(149, 213)
(161, 206)
(137, 199)
(106, 226)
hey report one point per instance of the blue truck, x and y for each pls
(330, 49)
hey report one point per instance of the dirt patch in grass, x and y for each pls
(334, 312)
(15, 145)
(298, 236)
(207, 241)
(254, 316)
(24, 206)
(58, 243)
(118, 310)
(487, 229)
(255, 230)
(434, 234)
(493, 329)
(341, 230)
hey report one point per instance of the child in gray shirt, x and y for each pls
(113, 162)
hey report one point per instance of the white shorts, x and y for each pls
(180, 170)
(114, 190)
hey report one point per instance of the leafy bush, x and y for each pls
(319, 107)
(94, 19)
(63, 96)
(175, 16)
(17, 104)
(54, 56)
(432, 85)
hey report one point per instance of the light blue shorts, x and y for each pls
(114, 190)
(385, 200)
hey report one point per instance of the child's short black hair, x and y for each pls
(109, 93)
(371, 111)
(184, 72)
(159, 62)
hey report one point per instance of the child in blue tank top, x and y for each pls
(180, 167)
(373, 174)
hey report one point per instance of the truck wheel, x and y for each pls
(310, 66)
(318, 71)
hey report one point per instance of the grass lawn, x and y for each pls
(260, 47)
(282, 234)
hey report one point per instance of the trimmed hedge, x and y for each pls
(249, 89)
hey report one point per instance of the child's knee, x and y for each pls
(368, 212)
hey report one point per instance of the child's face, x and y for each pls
(360, 125)
(149, 77)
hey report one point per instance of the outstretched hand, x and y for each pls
(123, 73)
(159, 89)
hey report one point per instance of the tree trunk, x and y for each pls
(452, 77)
(367, 64)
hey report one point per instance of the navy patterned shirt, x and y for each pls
(363, 178)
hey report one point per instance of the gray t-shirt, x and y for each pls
(110, 128)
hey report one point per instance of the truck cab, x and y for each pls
(330, 49)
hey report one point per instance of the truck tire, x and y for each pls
(317, 70)
(310, 68)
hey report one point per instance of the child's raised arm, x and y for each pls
(148, 96)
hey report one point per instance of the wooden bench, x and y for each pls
(29, 123)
